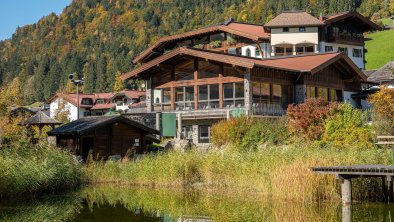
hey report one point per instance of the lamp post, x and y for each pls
(76, 82)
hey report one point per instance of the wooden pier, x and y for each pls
(347, 173)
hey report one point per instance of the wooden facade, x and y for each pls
(105, 137)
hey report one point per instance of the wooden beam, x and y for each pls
(221, 86)
(165, 67)
(195, 79)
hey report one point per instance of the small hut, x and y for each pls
(105, 136)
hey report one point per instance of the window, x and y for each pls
(100, 101)
(357, 53)
(207, 70)
(187, 132)
(162, 99)
(208, 97)
(280, 51)
(233, 95)
(302, 29)
(86, 101)
(184, 98)
(204, 134)
(328, 48)
(257, 52)
(286, 29)
(341, 49)
(265, 93)
(248, 53)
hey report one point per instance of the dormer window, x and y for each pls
(302, 29)
(100, 101)
(286, 29)
(87, 101)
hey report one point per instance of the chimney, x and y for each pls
(321, 16)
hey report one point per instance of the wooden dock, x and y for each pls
(346, 173)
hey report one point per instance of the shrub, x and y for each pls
(307, 119)
(348, 127)
(215, 44)
(247, 133)
(383, 111)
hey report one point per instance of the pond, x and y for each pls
(107, 203)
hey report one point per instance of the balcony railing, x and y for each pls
(346, 37)
(266, 109)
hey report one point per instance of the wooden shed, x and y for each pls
(105, 136)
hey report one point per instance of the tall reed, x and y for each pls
(278, 171)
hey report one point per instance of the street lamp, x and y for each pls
(76, 82)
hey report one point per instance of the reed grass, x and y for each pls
(279, 171)
(25, 168)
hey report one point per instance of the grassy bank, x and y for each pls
(379, 51)
(27, 169)
(280, 171)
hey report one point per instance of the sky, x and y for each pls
(14, 13)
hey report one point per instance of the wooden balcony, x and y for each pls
(347, 39)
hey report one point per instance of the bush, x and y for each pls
(307, 119)
(247, 133)
(383, 111)
(348, 127)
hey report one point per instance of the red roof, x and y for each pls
(301, 63)
(249, 31)
(104, 106)
(291, 19)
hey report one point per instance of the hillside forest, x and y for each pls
(97, 39)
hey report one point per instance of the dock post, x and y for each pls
(389, 184)
(346, 189)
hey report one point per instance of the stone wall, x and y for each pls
(300, 93)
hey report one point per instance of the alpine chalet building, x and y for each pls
(197, 78)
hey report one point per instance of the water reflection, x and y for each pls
(107, 203)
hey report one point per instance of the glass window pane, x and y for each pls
(213, 92)
(203, 134)
(228, 91)
(166, 95)
(189, 93)
(265, 92)
(214, 104)
(202, 92)
(239, 90)
(179, 95)
(207, 70)
(276, 93)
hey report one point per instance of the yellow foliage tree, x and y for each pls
(383, 110)
(119, 83)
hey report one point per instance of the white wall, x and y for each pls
(54, 106)
(264, 46)
(359, 61)
(311, 35)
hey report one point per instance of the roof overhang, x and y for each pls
(372, 25)
(320, 61)
(203, 31)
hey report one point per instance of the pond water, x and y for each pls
(105, 203)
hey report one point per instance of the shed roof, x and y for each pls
(300, 63)
(293, 18)
(83, 125)
(384, 74)
(250, 31)
(40, 118)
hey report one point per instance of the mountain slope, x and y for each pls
(99, 38)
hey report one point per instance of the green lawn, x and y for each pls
(380, 49)
(387, 21)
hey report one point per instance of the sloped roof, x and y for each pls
(40, 118)
(384, 74)
(291, 19)
(103, 106)
(246, 30)
(84, 125)
(300, 63)
(352, 15)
